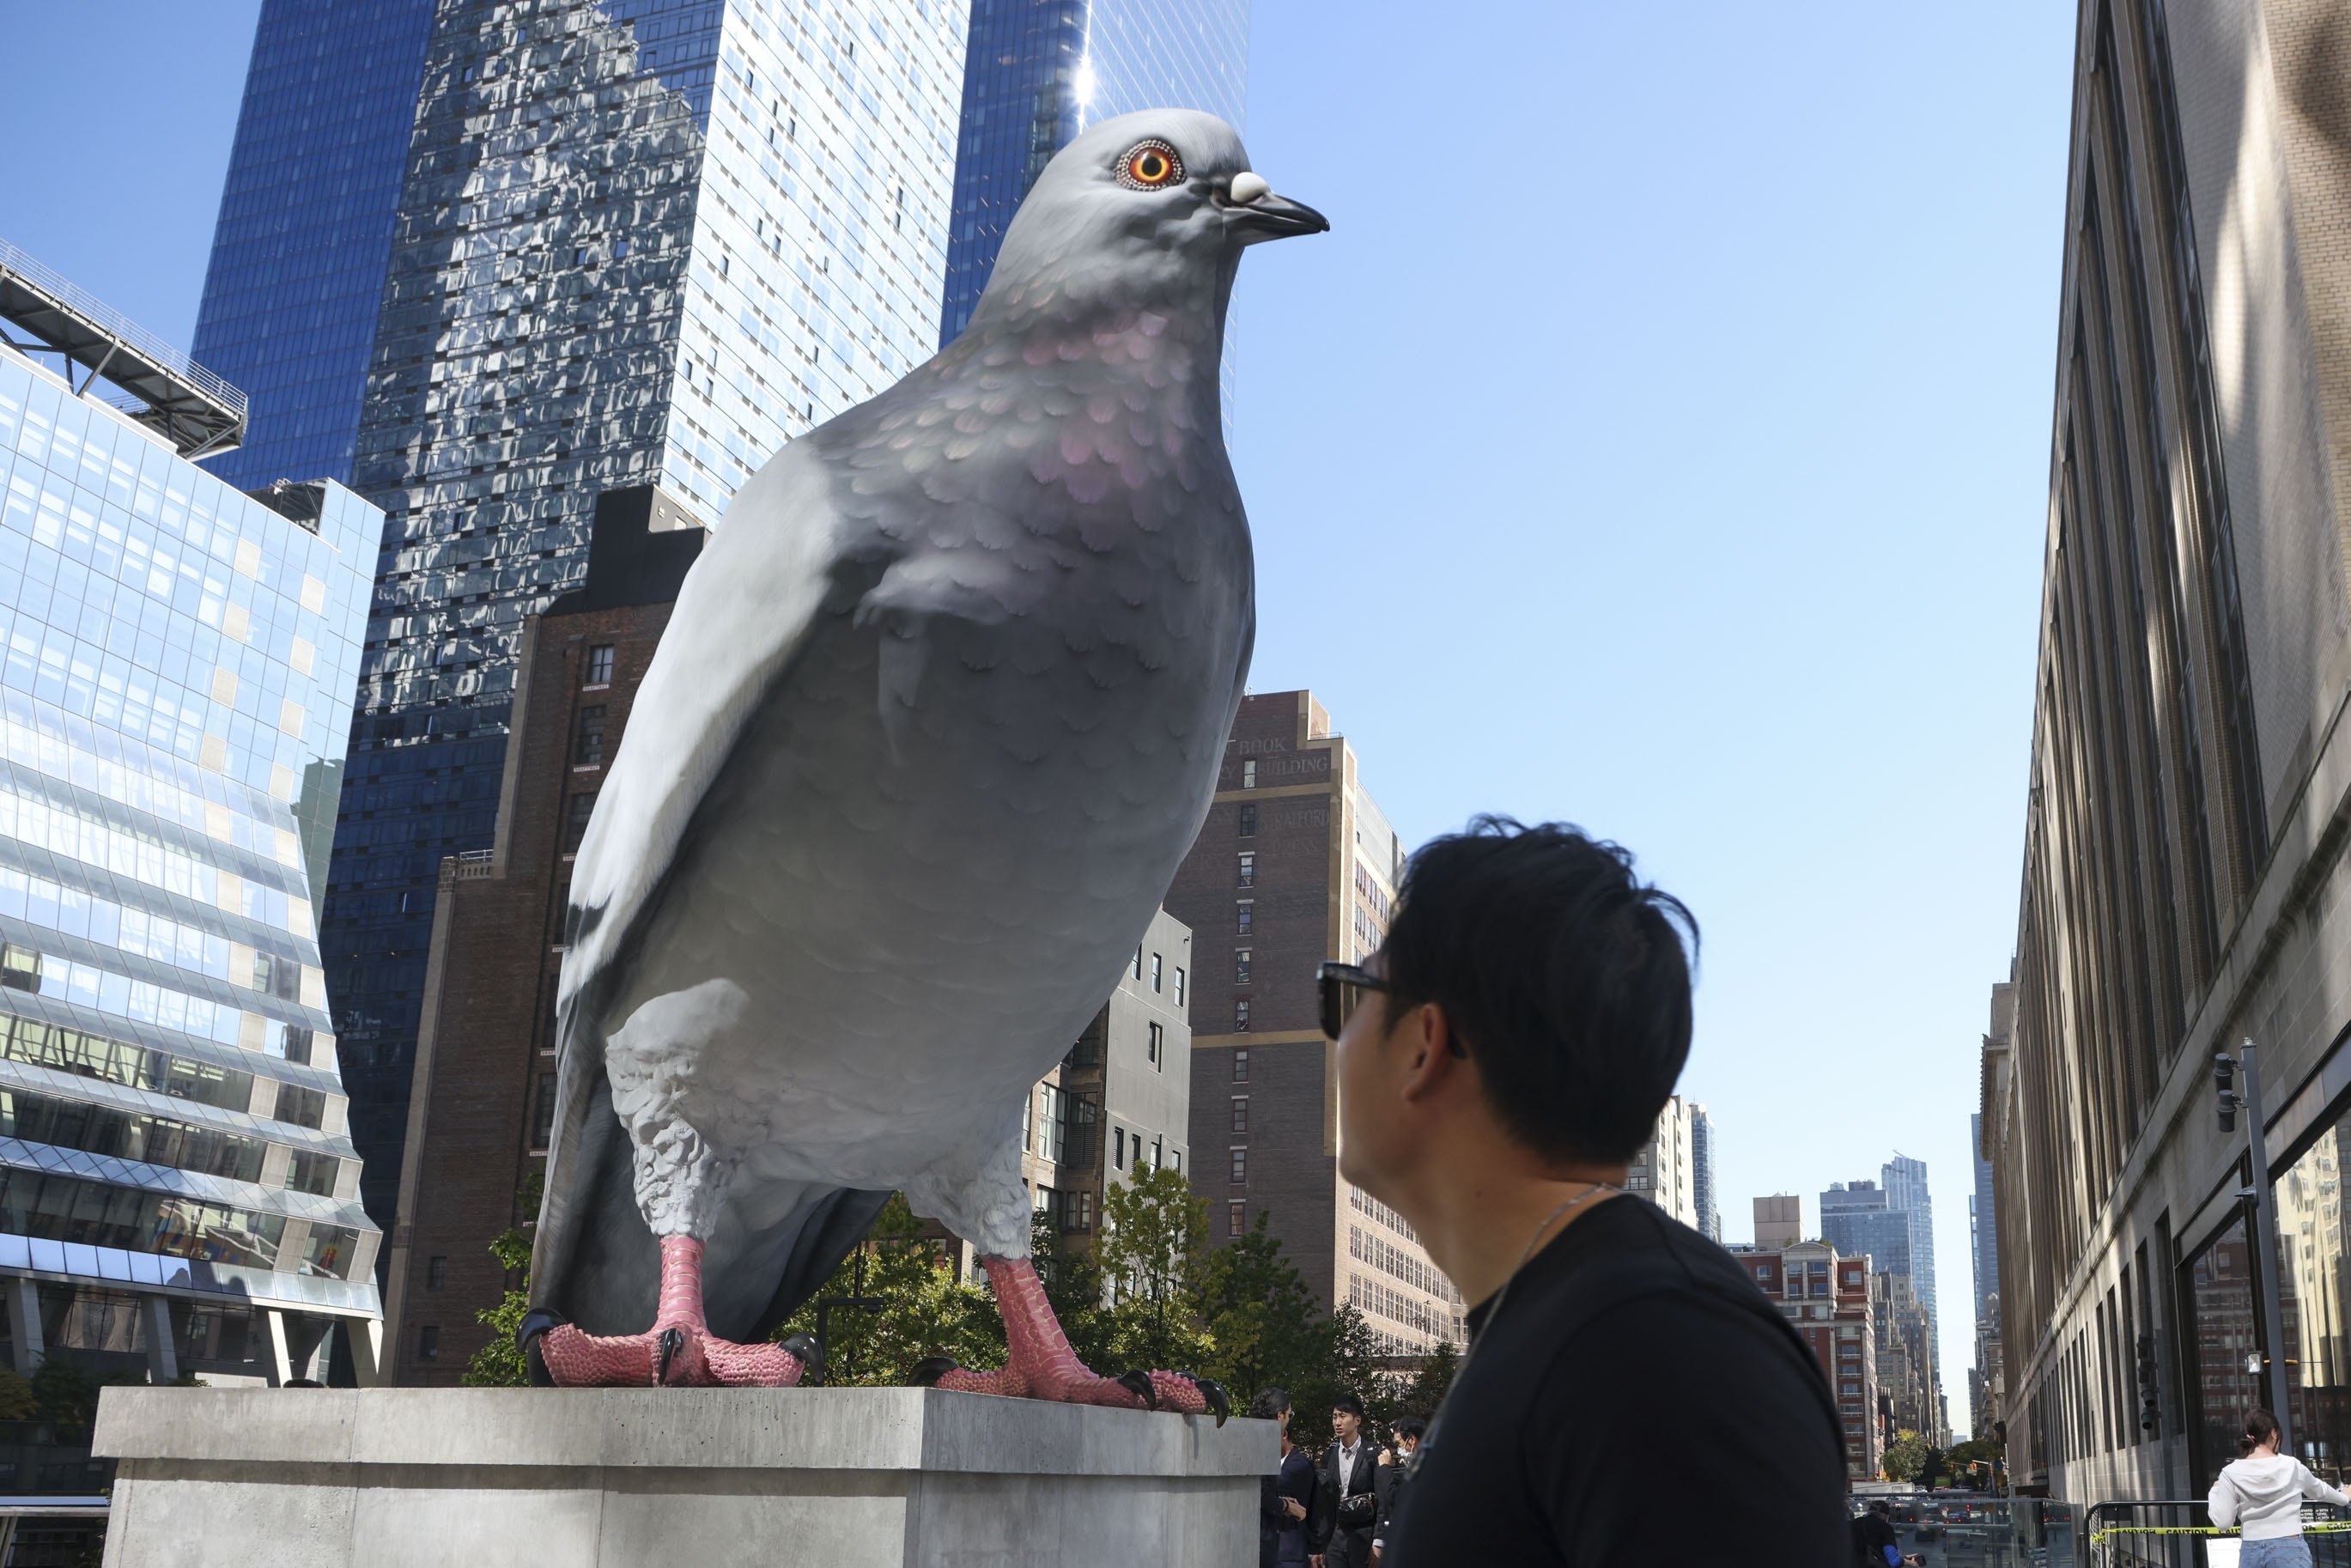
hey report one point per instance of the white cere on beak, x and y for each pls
(1249, 187)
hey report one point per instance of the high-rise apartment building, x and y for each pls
(178, 1192)
(1825, 1297)
(1664, 1170)
(1040, 74)
(1893, 1223)
(634, 241)
(1709, 1212)
(1294, 865)
(2184, 878)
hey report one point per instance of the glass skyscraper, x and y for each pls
(291, 299)
(1043, 71)
(177, 1183)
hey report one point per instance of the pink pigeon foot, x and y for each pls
(1039, 1363)
(677, 1350)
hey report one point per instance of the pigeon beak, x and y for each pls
(1253, 213)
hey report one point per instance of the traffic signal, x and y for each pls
(2150, 1388)
(2224, 1087)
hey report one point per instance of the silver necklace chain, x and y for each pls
(1413, 1461)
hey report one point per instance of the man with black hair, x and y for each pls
(1393, 1465)
(1350, 1484)
(1499, 1061)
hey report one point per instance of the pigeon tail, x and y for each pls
(678, 1350)
(1041, 1365)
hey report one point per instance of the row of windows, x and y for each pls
(1158, 970)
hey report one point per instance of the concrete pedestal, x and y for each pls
(841, 1478)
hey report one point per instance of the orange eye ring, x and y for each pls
(1150, 166)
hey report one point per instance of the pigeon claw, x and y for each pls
(804, 1348)
(534, 1326)
(930, 1369)
(1140, 1384)
(667, 1347)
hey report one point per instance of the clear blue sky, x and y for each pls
(1659, 441)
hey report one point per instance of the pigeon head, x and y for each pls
(1146, 211)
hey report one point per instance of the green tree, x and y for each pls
(1260, 1316)
(922, 1308)
(1426, 1390)
(1906, 1457)
(1153, 1244)
(499, 1363)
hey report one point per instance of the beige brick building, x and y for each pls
(1295, 865)
(2186, 884)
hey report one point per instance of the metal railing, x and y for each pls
(168, 356)
(2179, 1532)
(1960, 1530)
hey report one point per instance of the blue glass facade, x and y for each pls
(174, 1157)
(1040, 71)
(296, 273)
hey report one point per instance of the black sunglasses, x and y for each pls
(1344, 986)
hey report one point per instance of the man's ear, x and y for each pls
(1434, 1055)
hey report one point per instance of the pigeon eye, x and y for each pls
(1150, 166)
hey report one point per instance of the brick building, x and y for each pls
(483, 1096)
(1295, 865)
(1826, 1299)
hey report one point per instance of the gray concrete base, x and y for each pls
(841, 1478)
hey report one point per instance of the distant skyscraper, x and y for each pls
(1665, 1171)
(1709, 1216)
(1906, 1191)
(1859, 1217)
(1041, 73)
(635, 242)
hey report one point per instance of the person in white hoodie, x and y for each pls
(2262, 1493)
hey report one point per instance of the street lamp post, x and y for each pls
(2259, 1219)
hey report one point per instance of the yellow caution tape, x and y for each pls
(2098, 1537)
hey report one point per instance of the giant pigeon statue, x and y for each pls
(938, 713)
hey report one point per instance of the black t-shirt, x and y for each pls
(1638, 1400)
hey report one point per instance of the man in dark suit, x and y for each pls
(1349, 1479)
(1393, 1465)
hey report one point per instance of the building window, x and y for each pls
(1240, 1166)
(1236, 1217)
(1241, 1015)
(1158, 1045)
(1241, 957)
(1248, 820)
(20, 968)
(1156, 969)
(1175, 1162)
(428, 1342)
(1179, 985)
(600, 665)
(1245, 916)
(576, 812)
(436, 1272)
(1249, 774)
(1118, 1148)
(1240, 1067)
(1136, 969)
(1240, 1113)
(590, 751)
(1247, 872)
